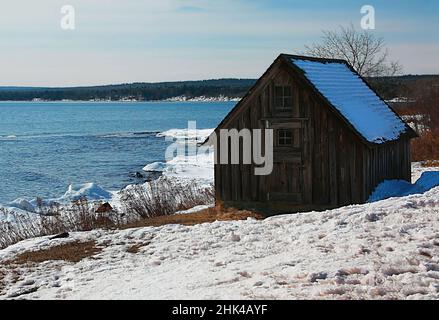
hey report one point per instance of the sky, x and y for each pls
(124, 41)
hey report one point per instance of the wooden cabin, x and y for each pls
(335, 139)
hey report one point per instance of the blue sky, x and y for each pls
(118, 41)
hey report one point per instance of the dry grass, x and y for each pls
(136, 248)
(425, 113)
(72, 252)
(426, 147)
(190, 219)
(152, 206)
(430, 163)
(165, 197)
(81, 216)
(2, 282)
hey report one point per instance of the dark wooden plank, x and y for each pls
(284, 156)
(285, 125)
(332, 162)
(288, 197)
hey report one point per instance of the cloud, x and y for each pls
(191, 9)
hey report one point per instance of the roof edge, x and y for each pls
(311, 58)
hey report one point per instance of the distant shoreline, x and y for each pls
(207, 99)
(194, 91)
(392, 89)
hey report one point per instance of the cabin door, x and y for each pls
(286, 180)
(286, 183)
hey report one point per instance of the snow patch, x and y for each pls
(400, 188)
(155, 166)
(89, 190)
(194, 135)
(22, 204)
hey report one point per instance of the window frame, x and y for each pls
(283, 100)
(282, 135)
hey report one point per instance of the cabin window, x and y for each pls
(285, 137)
(283, 98)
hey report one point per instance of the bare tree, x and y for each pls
(366, 53)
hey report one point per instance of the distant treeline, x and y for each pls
(232, 88)
(388, 88)
(403, 86)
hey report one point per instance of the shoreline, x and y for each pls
(120, 101)
(179, 168)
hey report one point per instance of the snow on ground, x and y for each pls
(196, 209)
(418, 169)
(400, 188)
(387, 249)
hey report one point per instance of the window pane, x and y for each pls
(285, 137)
(283, 99)
(278, 102)
(288, 103)
(278, 91)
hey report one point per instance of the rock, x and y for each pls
(432, 267)
(105, 207)
(153, 175)
(372, 217)
(60, 236)
(234, 237)
(313, 277)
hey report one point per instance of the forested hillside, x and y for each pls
(388, 87)
(231, 88)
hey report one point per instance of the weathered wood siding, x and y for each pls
(327, 166)
(390, 161)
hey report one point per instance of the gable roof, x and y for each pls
(349, 95)
(353, 98)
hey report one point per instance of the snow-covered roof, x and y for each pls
(353, 98)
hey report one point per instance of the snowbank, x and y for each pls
(89, 190)
(400, 188)
(22, 204)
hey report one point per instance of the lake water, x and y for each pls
(44, 147)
